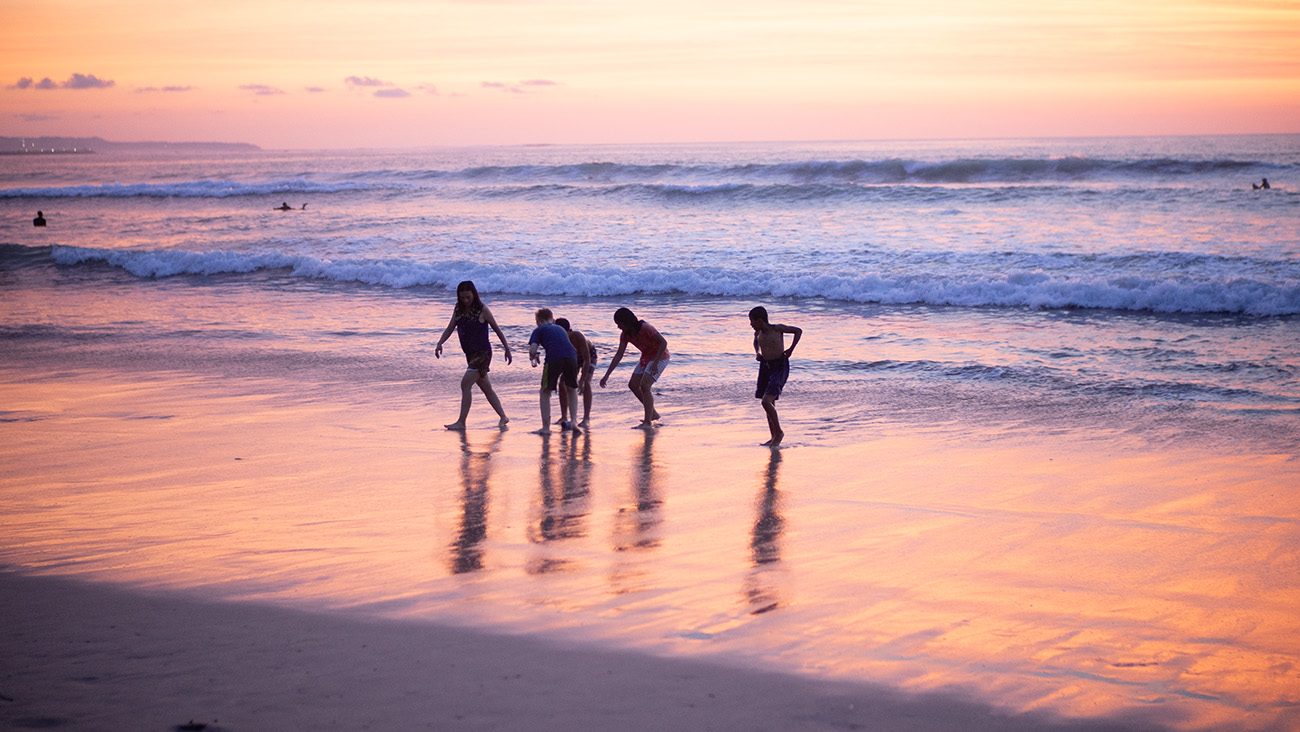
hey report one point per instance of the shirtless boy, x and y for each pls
(773, 365)
(586, 368)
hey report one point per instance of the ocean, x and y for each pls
(1135, 299)
(1106, 274)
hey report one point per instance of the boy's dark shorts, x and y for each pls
(771, 378)
(557, 368)
(478, 361)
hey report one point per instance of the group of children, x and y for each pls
(570, 361)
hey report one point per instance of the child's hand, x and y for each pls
(437, 352)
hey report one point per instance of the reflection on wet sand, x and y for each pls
(637, 525)
(475, 470)
(560, 514)
(761, 584)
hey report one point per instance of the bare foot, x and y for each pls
(456, 426)
(576, 430)
(644, 426)
(654, 416)
(542, 431)
(583, 424)
(505, 421)
(775, 441)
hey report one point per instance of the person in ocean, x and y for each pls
(561, 367)
(284, 206)
(773, 365)
(586, 369)
(654, 358)
(471, 319)
(39, 220)
(1263, 185)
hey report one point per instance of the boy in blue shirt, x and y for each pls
(561, 363)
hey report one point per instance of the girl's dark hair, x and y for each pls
(627, 320)
(474, 306)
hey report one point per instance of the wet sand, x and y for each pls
(88, 657)
(250, 552)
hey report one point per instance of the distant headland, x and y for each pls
(88, 145)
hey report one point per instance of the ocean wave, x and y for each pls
(189, 189)
(1067, 381)
(990, 286)
(807, 179)
(884, 171)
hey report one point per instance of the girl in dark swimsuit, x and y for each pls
(470, 319)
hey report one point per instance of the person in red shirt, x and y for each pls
(654, 358)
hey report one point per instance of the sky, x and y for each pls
(402, 73)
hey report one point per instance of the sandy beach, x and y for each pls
(246, 554)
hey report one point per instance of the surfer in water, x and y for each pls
(283, 207)
(1262, 186)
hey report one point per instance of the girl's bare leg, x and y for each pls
(641, 386)
(490, 393)
(466, 397)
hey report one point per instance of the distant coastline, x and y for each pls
(90, 145)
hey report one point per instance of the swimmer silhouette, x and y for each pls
(283, 207)
(1263, 186)
(39, 220)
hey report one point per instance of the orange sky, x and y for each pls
(331, 73)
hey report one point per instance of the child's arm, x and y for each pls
(487, 315)
(622, 346)
(798, 333)
(451, 325)
(584, 351)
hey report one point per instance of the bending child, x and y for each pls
(561, 364)
(773, 365)
(586, 368)
(654, 358)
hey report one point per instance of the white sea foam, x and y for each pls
(1036, 288)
